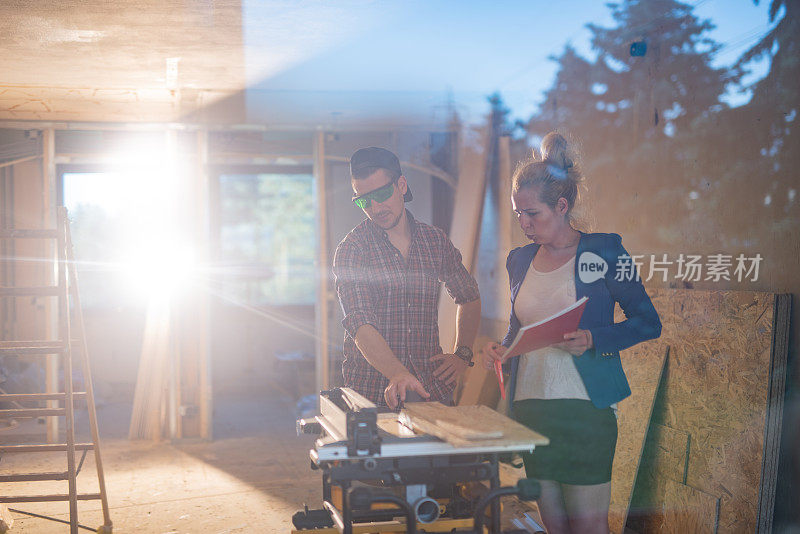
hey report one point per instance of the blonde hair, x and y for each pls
(556, 174)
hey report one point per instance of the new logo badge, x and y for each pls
(591, 267)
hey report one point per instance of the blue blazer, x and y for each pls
(604, 273)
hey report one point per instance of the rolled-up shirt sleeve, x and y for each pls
(352, 289)
(460, 285)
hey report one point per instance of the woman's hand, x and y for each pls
(576, 343)
(492, 352)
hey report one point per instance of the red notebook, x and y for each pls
(547, 332)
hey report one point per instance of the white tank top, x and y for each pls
(547, 373)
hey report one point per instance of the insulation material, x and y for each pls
(723, 386)
(644, 364)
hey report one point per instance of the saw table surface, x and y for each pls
(430, 428)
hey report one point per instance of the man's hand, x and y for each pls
(576, 343)
(450, 369)
(397, 387)
(492, 352)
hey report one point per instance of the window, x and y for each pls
(100, 225)
(267, 237)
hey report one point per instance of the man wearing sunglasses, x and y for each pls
(388, 270)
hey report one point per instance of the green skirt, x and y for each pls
(582, 440)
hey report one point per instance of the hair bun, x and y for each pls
(555, 149)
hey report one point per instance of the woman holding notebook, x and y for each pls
(568, 391)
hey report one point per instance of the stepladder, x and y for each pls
(57, 354)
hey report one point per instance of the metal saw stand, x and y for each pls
(370, 465)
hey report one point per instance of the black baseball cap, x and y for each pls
(381, 158)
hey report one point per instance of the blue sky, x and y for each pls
(460, 50)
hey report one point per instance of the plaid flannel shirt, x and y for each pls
(399, 297)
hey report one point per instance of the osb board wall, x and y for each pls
(643, 365)
(715, 389)
(664, 460)
(686, 509)
(665, 456)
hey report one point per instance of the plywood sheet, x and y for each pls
(716, 388)
(468, 425)
(643, 366)
(686, 509)
(665, 458)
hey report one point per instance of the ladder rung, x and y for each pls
(31, 477)
(34, 291)
(31, 347)
(31, 343)
(39, 396)
(48, 498)
(31, 412)
(19, 233)
(45, 447)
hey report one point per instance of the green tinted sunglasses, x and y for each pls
(381, 194)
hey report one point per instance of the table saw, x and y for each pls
(420, 469)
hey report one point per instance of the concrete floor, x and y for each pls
(252, 478)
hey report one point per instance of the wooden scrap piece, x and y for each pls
(467, 432)
(469, 425)
(686, 509)
(6, 521)
(643, 366)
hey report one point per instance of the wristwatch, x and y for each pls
(465, 353)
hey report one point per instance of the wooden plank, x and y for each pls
(478, 385)
(32, 351)
(47, 498)
(33, 291)
(87, 375)
(31, 412)
(29, 477)
(644, 368)
(506, 223)
(39, 396)
(686, 509)
(468, 207)
(323, 289)
(49, 447)
(6, 521)
(48, 206)
(203, 312)
(19, 233)
(468, 425)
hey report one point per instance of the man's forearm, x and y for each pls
(468, 320)
(377, 352)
